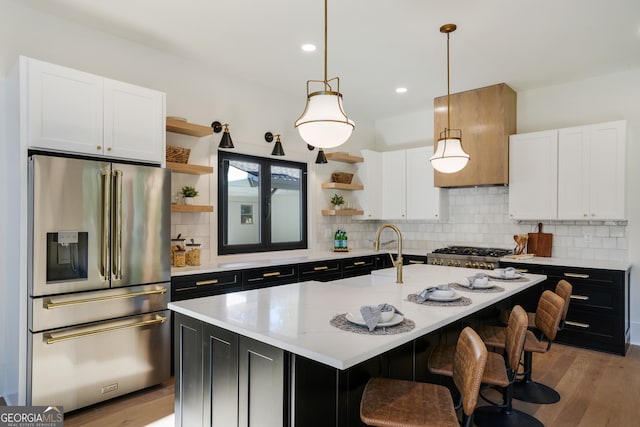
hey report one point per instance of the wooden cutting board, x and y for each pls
(540, 243)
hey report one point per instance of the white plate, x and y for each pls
(498, 273)
(444, 299)
(465, 284)
(358, 320)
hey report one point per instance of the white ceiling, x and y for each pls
(377, 45)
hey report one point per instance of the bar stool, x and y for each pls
(388, 402)
(500, 372)
(547, 320)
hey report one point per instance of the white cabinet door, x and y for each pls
(394, 185)
(134, 122)
(592, 174)
(533, 175)
(608, 170)
(64, 108)
(370, 173)
(424, 201)
(573, 173)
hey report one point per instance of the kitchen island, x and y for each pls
(270, 357)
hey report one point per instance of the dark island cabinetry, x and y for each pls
(598, 316)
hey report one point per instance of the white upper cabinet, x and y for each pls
(394, 185)
(72, 111)
(574, 173)
(424, 201)
(533, 175)
(134, 121)
(370, 173)
(591, 177)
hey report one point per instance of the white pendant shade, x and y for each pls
(324, 123)
(449, 156)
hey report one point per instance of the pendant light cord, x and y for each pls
(325, 45)
(448, 93)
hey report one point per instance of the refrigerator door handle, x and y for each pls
(105, 258)
(117, 224)
(158, 319)
(51, 304)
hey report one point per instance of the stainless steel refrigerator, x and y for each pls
(99, 280)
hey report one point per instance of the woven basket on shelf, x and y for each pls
(177, 154)
(342, 177)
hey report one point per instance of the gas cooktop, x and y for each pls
(473, 251)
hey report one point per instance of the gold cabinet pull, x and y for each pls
(580, 297)
(415, 261)
(158, 320)
(324, 267)
(48, 304)
(577, 275)
(207, 282)
(578, 324)
(275, 273)
(522, 270)
(359, 263)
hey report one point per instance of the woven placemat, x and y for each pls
(340, 321)
(457, 303)
(493, 289)
(519, 279)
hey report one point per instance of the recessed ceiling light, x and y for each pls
(401, 90)
(308, 47)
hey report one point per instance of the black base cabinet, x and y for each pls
(224, 379)
(599, 312)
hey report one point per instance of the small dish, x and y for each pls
(358, 320)
(386, 316)
(485, 284)
(500, 273)
(441, 293)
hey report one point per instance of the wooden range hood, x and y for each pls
(486, 116)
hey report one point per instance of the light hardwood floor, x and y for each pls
(597, 390)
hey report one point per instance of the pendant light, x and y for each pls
(449, 156)
(323, 122)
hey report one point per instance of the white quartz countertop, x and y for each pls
(296, 317)
(271, 259)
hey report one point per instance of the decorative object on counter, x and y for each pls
(177, 244)
(323, 123)
(342, 177)
(449, 157)
(459, 302)
(521, 243)
(381, 314)
(189, 193)
(337, 201)
(193, 253)
(177, 154)
(479, 281)
(540, 243)
(341, 322)
(277, 149)
(340, 242)
(225, 141)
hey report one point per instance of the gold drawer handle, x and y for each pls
(578, 324)
(359, 263)
(49, 304)
(324, 267)
(275, 273)
(414, 261)
(577, 275)
(522, 270)
(157, 320)
(207, 282)
(580, 297)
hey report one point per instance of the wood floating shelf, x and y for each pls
(332, 212)
(342, 186)
(186, 128)
(344, 157)
(191, 208)
(189, 169)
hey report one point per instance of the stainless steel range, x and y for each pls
(467, 256)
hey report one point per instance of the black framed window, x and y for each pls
(262, 204)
